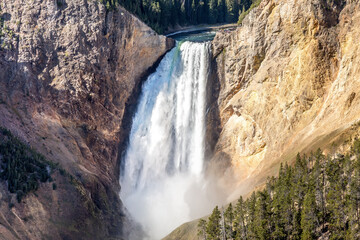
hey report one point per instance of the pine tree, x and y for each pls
(250, 217)
(221, 11)
(202, 229)
(213, 11)
(213, 229)
(335, 198)
(239, 220)
(229, 218)
(203, 15)
(298, 194)
(354, 201)
(281, 204)
(232, 11)
(315, 196)
(261, 221)
(309, 216)
(319, 175)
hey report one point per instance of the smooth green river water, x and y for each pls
(195, 36)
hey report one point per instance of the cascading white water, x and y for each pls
(162, 178)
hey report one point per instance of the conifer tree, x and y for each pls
(317, 196)
(280, 204)
(213, 229)
(221, 11)
(335, 198)
(319, 175)
(239, 220)
(309, 219)
(202, 229)
(229, 218)
(232, 10)
(354, 201)
(298, 192)
(261, 222)
(250, 217)
(213, 11)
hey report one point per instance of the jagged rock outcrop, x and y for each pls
(69, 73)
(289, 83)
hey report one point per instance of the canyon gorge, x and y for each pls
(106, 98)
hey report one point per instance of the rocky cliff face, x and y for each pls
(286, 80)
(69, 73)
(289, 83)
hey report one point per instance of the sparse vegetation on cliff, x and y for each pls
(1, 25)
(20, 166)
(319, 195)
(7, 35)
(245, 12)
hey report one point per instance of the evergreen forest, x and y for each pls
(163, 15)
(317, 198)
(20, 166)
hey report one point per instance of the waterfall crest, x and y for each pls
(162, 175)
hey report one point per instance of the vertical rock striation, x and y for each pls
(286, 81)
(70, 73)
(289, 82)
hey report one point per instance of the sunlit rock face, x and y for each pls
(289, 78)
(69, 73)
(287, 81)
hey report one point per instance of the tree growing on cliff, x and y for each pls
(262, 216)
(309, 220)
(318, 195)
(202, 229)
(239, 220)
(228, 221)
(213, 228)
(20, 166)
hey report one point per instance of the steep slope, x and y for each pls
(288, 78)
(70, 72)
(287, 81)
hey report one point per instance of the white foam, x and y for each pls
(162, 180)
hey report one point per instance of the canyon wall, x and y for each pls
(70, 73)
(289, 78)
(286, 80)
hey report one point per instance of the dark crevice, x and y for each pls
(130, 110)
(213, 122)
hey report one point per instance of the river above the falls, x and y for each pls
(194, 35)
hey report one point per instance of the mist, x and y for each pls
(163, 179)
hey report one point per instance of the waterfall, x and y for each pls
(162, 175)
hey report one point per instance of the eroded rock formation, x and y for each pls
(289, 82)
(70, 72)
